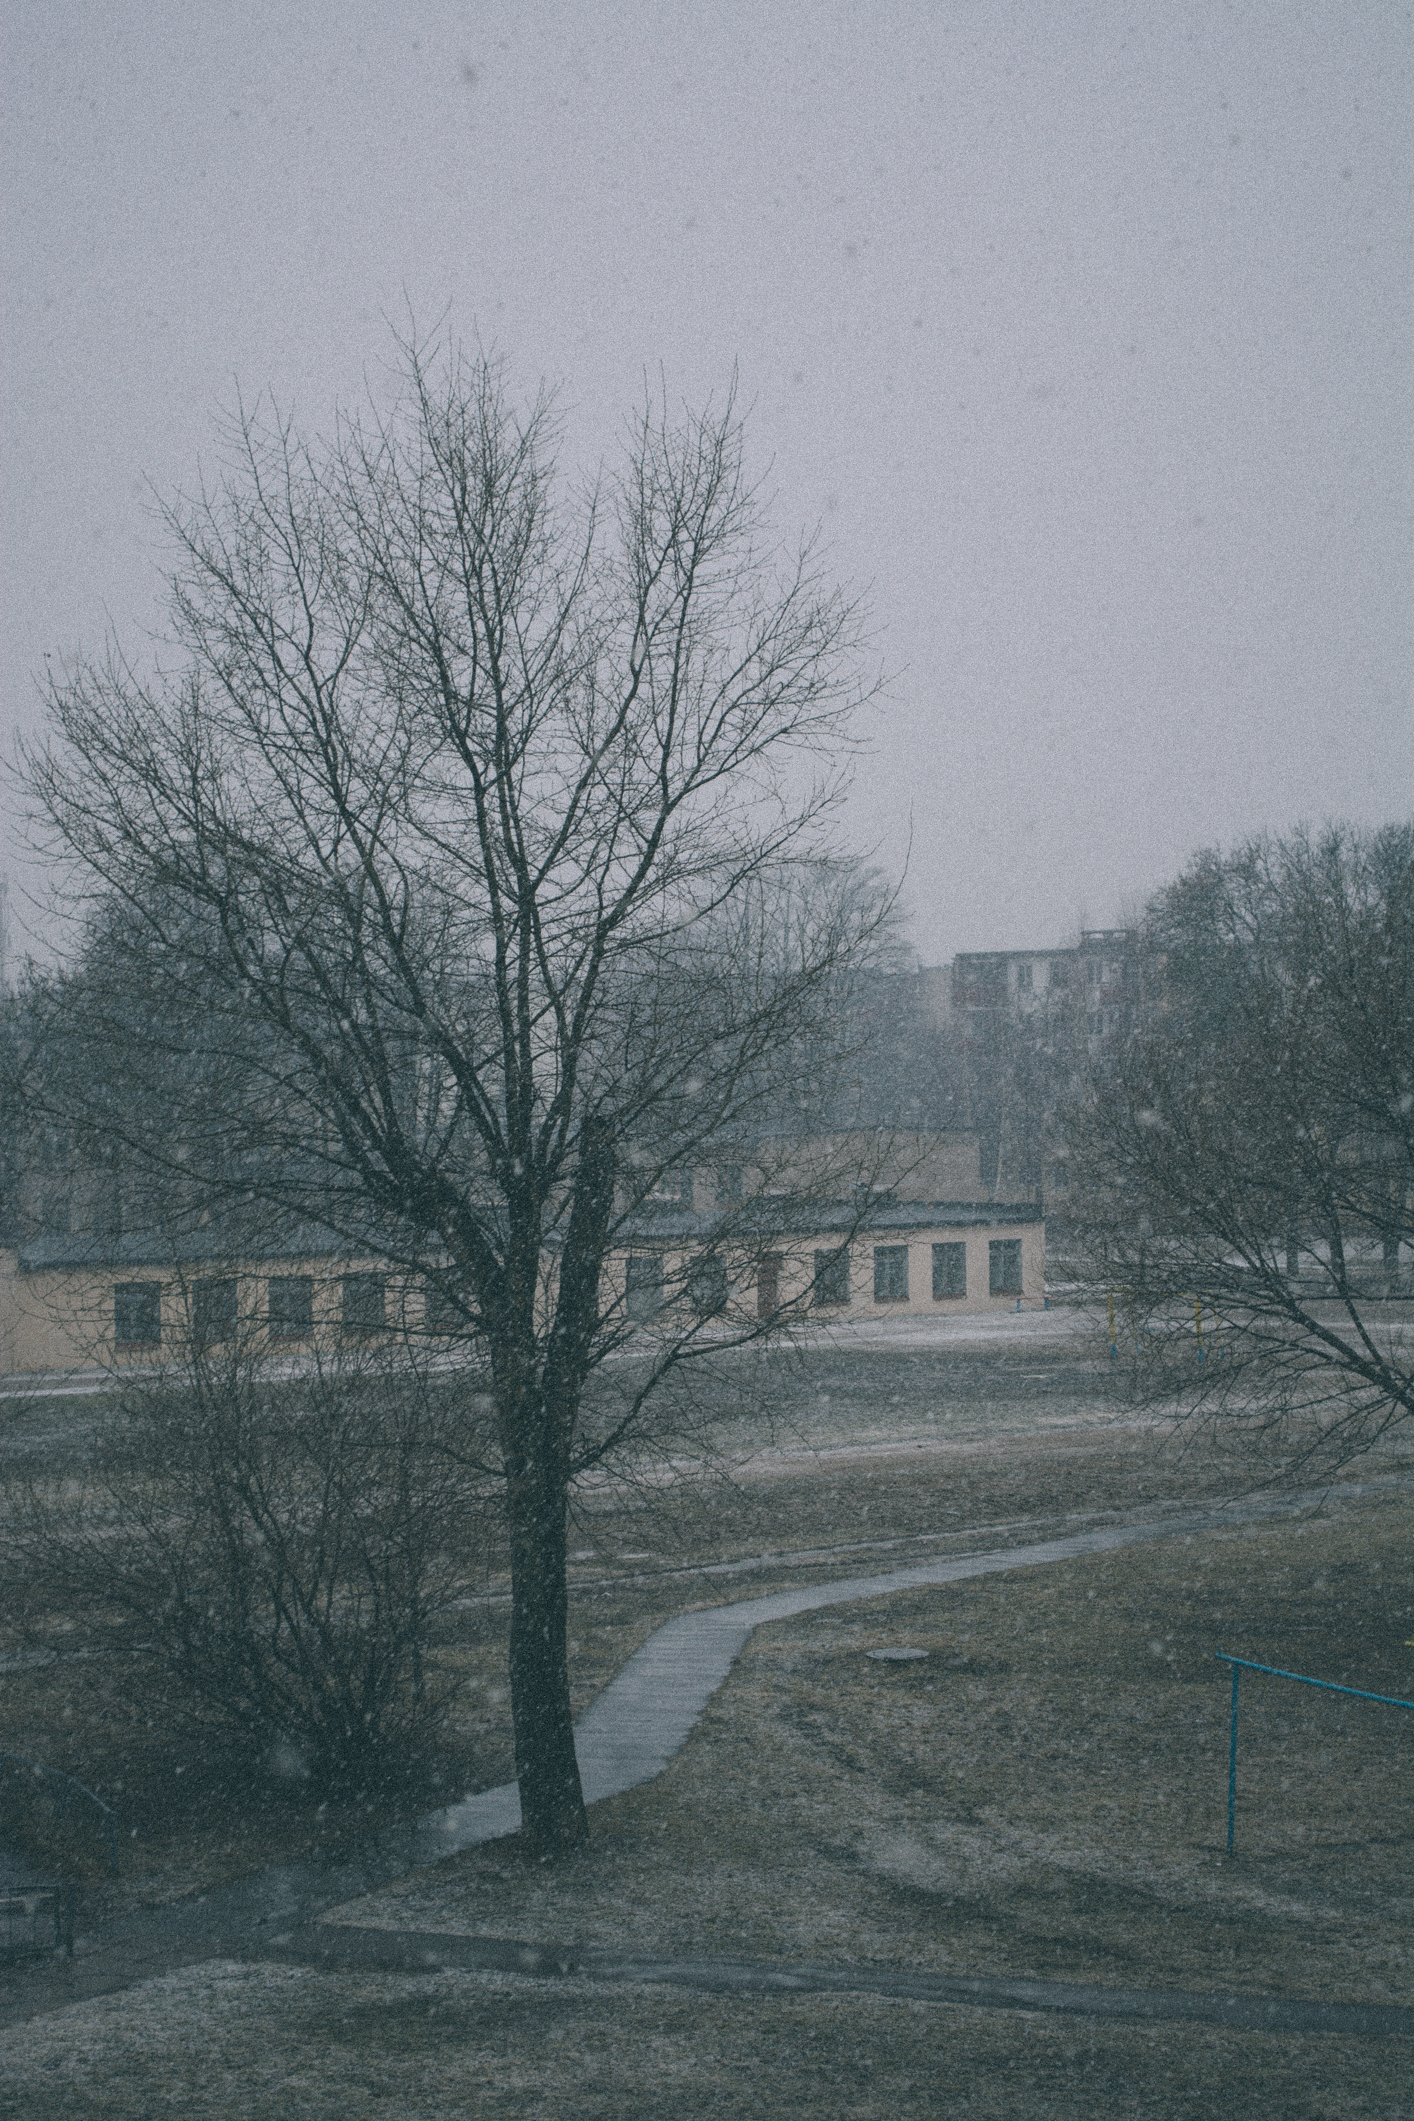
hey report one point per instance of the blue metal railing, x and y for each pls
(1274, 1671)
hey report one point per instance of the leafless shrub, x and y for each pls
(281, 1550)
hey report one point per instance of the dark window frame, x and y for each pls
(643, 1286)
(1004, 1267)
(295, 1321)
(137, 1314)
(830, 1287)
(887, 1274)
(213, 1316)
(948, 1281)
(707, 1285)
(373, 1285)
(442, 1319)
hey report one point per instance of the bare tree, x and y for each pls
(279, 1551)
(454, 828)
(1250, 1157)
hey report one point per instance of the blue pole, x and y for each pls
(1328, 1686)
(1232, 1758)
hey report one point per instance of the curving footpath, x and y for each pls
(646, 1714)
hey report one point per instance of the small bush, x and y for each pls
(280, 1550)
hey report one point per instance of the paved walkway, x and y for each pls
(627, 1736)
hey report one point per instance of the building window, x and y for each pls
(1023, 977)
(643, 1285)
(891, 1274)
(364, 1306)
(291, 1306)
(137, 1314)
(768, 1285)
(675, 1186)
(831, 1277)
(707, 1286)
(727, 1190)
(950, 1270)
(213, 1310)
(1004, 1254)
(1060, 972)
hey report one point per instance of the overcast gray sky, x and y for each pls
(1084, 332)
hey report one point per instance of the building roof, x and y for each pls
(790, 1215)
(213, 1245)
(767, 1215)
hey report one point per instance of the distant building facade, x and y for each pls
(1025, 1025)
(1094, 994)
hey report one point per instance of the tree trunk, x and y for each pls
(537, 1436)
(551, 1799)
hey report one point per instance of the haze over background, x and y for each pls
(1084, 333)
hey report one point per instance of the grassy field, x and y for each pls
(847, 1460)
(259, 2042)
(1042, 1792)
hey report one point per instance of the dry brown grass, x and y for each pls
(193, 1811)
(1043, 1793)
(933, 1473)
(263, 2043)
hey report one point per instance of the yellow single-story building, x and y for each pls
(68, 1305)
(136, 1301)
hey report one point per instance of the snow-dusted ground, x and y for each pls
(1029, 1328)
